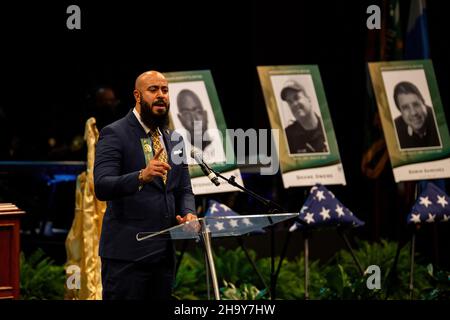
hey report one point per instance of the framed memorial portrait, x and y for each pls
(196, 114)
(194, 118)
(297, 107)
(413, 119)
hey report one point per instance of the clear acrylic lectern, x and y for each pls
(216, 226)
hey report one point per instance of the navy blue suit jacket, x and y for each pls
(118, 159)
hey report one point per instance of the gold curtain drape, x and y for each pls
(83, 238)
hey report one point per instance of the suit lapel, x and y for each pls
(136, 126)
(139, 133)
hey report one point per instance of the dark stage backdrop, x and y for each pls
(49, 72)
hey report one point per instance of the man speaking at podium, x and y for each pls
(145, 191)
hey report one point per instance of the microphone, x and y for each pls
(206, 170)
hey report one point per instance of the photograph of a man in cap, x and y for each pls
(305, 134)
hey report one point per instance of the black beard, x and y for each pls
(151, 120)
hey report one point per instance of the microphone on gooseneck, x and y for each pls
(206, 170)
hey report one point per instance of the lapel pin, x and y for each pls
(147, 148)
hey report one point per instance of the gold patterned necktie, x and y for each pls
(157, 145)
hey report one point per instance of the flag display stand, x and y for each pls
(411, 270)
(431, 206)
(283, 254)
(342, 234)
(322, 209)
(306, 260)
(393, 270)
(413, 251)
(252, 263)
(306, 237)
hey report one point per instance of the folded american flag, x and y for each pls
(323, 209)
(430, 207)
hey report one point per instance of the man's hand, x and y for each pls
(192, 226)
(155, 168)
(188, 217)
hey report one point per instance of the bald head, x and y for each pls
(145, 78)
(152, 84)
(151, 92)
